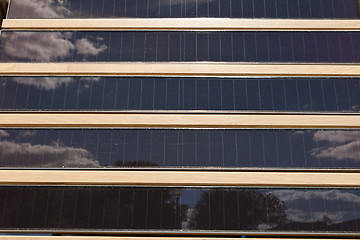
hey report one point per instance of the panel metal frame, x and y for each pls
(127, 238)
(179, 178)
(201, 69)
(192, 236)
(154, 120)
(183, 24)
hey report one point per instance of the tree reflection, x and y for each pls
(91, 208)
(237, 209)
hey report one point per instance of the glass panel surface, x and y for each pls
(312, 47)
(180, 93)
(127, 209)
(183, 8)
(156, 148)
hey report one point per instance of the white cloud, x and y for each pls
(51, 83)
(46, 83)
(297, 215)
(54, 155)
(342, 145)
(41, 8)
(291, 195)
(85, 47)
(188, 2)
(340, 152)
(335, 136)
(4, 133)
(318, 198)
(38, 46)
(26, 134)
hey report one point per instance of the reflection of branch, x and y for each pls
(3, 9)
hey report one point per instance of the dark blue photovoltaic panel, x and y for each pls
(180, 93)
(156, 148)
(189, 210)
(307, 47)
(320, 9)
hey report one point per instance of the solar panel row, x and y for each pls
(180, 93)
(184, 9)
(156, 148)
(240, 46)
(127, 209)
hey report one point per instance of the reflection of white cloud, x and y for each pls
(299, 132)
(54, 155)
(26, 134)
(4, 133)
(342, 145)
(297, 215)
(90, 79)
(341, 152)
(37, 46)
(318, 210)
(291, 195)
(335, 136)
(85, 47)
(87, 81)
(41, 8)
(46, 83)
(51, 83)
(188, 2)
(190, 213)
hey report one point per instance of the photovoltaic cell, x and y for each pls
(180, 93)
(240, 46)
(130, 209)
(321, 9)
(159, 148)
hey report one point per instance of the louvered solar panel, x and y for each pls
(184, 8)
(156, 148)
(180, 93)
(309, 47)
(131, 209)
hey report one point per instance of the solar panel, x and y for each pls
(184, 9)
(180, 93)
(311, 47)
(175, 148)
(189, 210)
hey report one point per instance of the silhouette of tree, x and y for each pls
(237, 210)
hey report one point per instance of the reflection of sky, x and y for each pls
(190, 198)
(180, 46)
(171, 148)
(182, 8)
